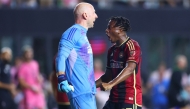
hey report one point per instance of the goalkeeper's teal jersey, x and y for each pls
(75, 58)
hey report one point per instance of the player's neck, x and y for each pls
(82, 23)
(122, 40)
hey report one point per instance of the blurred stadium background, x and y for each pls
(162, 28)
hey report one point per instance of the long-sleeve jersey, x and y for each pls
(75, 58)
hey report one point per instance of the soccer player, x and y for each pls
(74, 62)
(122, 74)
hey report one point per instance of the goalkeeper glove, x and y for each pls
(63, 85)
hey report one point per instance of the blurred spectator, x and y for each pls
(186, 3)
(93, 2)
(105, 4)
(133, 3)
(27, 3)
(7, 89)
(46, 3)
(102, 4)
(145, 97)
(174, 3)
(159, 84)
(178, 96)
(14, 78)
(5, 3)
(151, 4)
(50, 98)
(98, 68)
(68, 3)
(119, 4)
(101, 96)
(31, 81)
(61, 98)
(15, 69)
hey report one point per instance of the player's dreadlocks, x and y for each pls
(122, 23)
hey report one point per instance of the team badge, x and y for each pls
(111, 54)
(132, 53)
(121, 54)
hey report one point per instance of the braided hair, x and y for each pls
(121, 22)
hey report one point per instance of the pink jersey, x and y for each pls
(29, 72)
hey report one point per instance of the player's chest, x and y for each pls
(118, 58)
(83, 46)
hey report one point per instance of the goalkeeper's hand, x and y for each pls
(63, 85)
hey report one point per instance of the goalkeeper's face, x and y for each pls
(92, 16)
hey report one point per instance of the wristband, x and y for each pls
(61, 78)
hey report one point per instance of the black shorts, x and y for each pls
(63, 106)
(120, 105)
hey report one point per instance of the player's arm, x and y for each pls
(9, 87)
(66, 44)
(106, 77)
(134, 54)
(64, 49)
(24, 84)
(5, 86)
(124, 74)
(22, 80)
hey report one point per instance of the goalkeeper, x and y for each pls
(74, 62)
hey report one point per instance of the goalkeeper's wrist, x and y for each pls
(61, 78)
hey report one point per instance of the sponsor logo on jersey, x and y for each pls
(111, 54)
(132, 53)
(116, 64)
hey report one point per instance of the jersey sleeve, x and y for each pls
(65, 46)
(133, 52)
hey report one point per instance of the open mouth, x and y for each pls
(108, 37)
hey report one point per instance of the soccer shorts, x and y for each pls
(63, 106)
(120, 105)
(85, 101)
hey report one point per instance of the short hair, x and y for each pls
(6, 49)
(121, 22)
(25, 48)
(180, 57)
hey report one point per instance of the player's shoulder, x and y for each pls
(132, 44)
(72, 33)
(72, 30)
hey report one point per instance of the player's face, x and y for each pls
(7, 56)
(28, 54)
(112, 32)
(92, 17)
